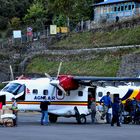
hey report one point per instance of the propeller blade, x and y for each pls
(48, 76)
(6, 82)
(53, 91)
(59, 68)
(62, 89)
(11, 72)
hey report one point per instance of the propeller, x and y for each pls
(55, 82)
(11, 72)
(59, 68)
(11, 75)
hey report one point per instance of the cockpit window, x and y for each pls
(14, 88)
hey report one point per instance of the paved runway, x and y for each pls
(29, 128)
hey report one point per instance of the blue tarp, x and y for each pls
(110, 2)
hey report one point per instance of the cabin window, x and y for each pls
(60, 93)
(100, 94)
(80, 93)
(35, 91)
(68, 93)
(45, 92)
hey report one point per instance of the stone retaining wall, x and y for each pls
(130, 66)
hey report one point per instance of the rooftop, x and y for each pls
(110, 2)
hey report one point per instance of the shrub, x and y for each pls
(9, 32)
(15, 22)
(3, 23)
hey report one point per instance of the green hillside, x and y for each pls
(90, 39)
(92, 63)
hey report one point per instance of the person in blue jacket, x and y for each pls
(106, 100)
(116, 110)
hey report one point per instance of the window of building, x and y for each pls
(133, 6)
(80, 93)
(35, 91)
(115, 8)
(119, 8)
(122, 8)
(45, 92)
(126, 7)
(129, 7)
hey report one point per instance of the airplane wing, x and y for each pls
(105, 79)
(68, 82)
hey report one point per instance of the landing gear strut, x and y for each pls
(81, 118)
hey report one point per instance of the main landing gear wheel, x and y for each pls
(52, 118)
(82, 119)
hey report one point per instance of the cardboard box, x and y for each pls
(8, 122)
(7, 111)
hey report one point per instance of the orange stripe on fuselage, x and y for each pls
(53, 103)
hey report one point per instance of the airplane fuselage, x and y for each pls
(29, 93)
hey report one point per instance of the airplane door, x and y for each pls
(91, 94)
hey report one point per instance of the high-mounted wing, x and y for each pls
(68, 82)
(114, 79)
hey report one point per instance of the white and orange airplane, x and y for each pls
(69, 95)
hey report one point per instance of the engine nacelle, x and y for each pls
(67, 82)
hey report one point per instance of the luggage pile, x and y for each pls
(7, 117)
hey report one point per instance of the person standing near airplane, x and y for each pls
(44, 110)
(106, 100)
(14, 107)
(93, 110)
(116, 110)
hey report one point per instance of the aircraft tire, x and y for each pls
(82, 119)
(53, 118)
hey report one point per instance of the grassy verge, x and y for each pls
(100, 39)
(75, 68)
(102, 64)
